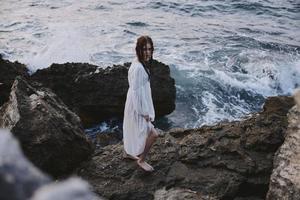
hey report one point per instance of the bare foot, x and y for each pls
(125, 155)
(145, 166)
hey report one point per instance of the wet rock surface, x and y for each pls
(20, 179)
(180, 193)
(50, 135)
(226, 161)
(231, 160)
(96, 94)
(285, 179)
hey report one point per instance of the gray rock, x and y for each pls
(226, 161)
(19, 178)
(50, 134)
(179, 194)
(96, 94)
(107, 138)
(285, 179)
(70, 189)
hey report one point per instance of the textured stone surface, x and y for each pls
(179, 194)
(50, 134)
(225, 161)
(285, 179)
(18, 177)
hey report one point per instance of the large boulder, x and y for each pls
(50, 134)
(20, 179)
(163, 88)
(96, 94)
(285, 178)
(9, 71)
(231, 160)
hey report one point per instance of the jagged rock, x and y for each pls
(285, 178)
(163, 88)
(9, 71)
(107, 138)
(226, 161)
(96, 94)
(18, 177)
(50, 134)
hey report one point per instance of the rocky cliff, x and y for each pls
(285, 179)
(50, 135)
(227, 161)
(230, 160)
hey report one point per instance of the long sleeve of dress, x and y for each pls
(138, 81)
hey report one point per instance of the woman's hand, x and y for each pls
(147, 118)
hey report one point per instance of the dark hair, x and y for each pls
(140, 44)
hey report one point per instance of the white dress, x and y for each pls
(138, 102)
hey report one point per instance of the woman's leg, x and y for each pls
(149, 142)
(126, 155)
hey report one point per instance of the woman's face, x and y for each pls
(147, 52)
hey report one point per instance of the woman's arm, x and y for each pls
(138, 81)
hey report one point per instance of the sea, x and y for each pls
(226, 56)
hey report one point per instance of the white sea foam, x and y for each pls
(215, 113)
(207, 39)
(65, 45)
(266, 75)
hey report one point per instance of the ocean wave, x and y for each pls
(222, 54)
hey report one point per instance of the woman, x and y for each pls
(138, 132)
